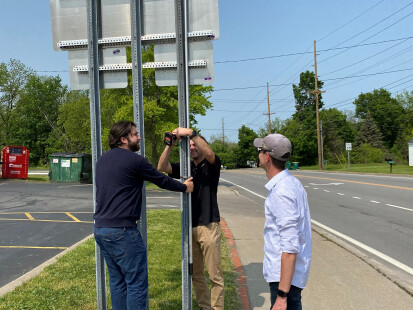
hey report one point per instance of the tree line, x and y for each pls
(41, 113)
(379, 129)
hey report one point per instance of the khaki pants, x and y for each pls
(206, 248)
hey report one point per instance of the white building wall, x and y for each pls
(410, 154)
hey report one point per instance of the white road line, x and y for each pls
(356, 197)
(315, 187)
(244, 188)
(326, 191)
(366, 248)
(347, 238)
(373, 201)
(393, 206)
(340, 194)
(306, 186)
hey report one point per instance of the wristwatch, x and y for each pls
(194, 133)
(281, 293)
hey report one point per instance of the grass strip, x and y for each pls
(70, 282)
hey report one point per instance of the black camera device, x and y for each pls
(169, 138)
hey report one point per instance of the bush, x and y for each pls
(366, 154)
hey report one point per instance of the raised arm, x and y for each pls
(164, 164)
(200, 143)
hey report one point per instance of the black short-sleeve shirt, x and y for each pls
(204, 197)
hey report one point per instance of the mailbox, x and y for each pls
(15, 162)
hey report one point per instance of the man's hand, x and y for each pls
(182, 132)
(189, 185)
(280, 303)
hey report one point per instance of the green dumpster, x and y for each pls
(295, 165)
(288, 165)
(70, 167)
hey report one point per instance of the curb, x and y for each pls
(242, 285)
(34, 272)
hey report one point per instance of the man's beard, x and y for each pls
(134, 147)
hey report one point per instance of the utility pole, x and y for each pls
(269, 113)
(322, 145)
(316, 92)
(223, 135)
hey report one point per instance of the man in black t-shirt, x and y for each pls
(206, 234)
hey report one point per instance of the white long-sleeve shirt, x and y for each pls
(287, 228)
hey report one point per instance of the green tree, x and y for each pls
(246, 149)
(336, 131)
(160, 111)
(369, 133)
(387, 113)
(13, 78)
(305, 102)
(301, 129)
(400, 147)
(36, 114)
(276, 126)
(224, 150)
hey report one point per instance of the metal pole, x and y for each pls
(322, 146)
(95, 129)
(136, 48)
(348, 156)
(320, 163)
(182, 53)
(269, 114)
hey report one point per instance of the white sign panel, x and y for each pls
(348, 146)
(65, 163)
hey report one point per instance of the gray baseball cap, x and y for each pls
(278, 146)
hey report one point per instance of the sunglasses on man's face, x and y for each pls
(259, 149)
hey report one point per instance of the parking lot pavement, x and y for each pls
(40, 220)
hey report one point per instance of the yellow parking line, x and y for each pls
(357, 182)
(56, 221)
(29, 216)
(46, 212)
(33, 247)
(73, 217)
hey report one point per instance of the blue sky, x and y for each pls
(252, 30)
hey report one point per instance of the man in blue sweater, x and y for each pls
(120, 174)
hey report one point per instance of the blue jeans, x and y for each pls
(293, 296)
(125, 256)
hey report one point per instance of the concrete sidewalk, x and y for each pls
(338, 278)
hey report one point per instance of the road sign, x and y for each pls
(112, 58)
(348, 146)
(201, 64)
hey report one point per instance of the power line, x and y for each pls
(305, 53)
(325, 80)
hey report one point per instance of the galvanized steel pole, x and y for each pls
(182, 53)
(136, 47)
(95, 129)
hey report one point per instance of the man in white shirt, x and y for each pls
(287, 230)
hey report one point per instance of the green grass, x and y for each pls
(365, 168)
(70, 283)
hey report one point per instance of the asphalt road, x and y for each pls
(372, 212)
(40, 220)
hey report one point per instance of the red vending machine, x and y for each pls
(15, 161)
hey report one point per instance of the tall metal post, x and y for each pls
(320, 163)
(95, 129)
(136, 48)
(269, 114)
(182, 52)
